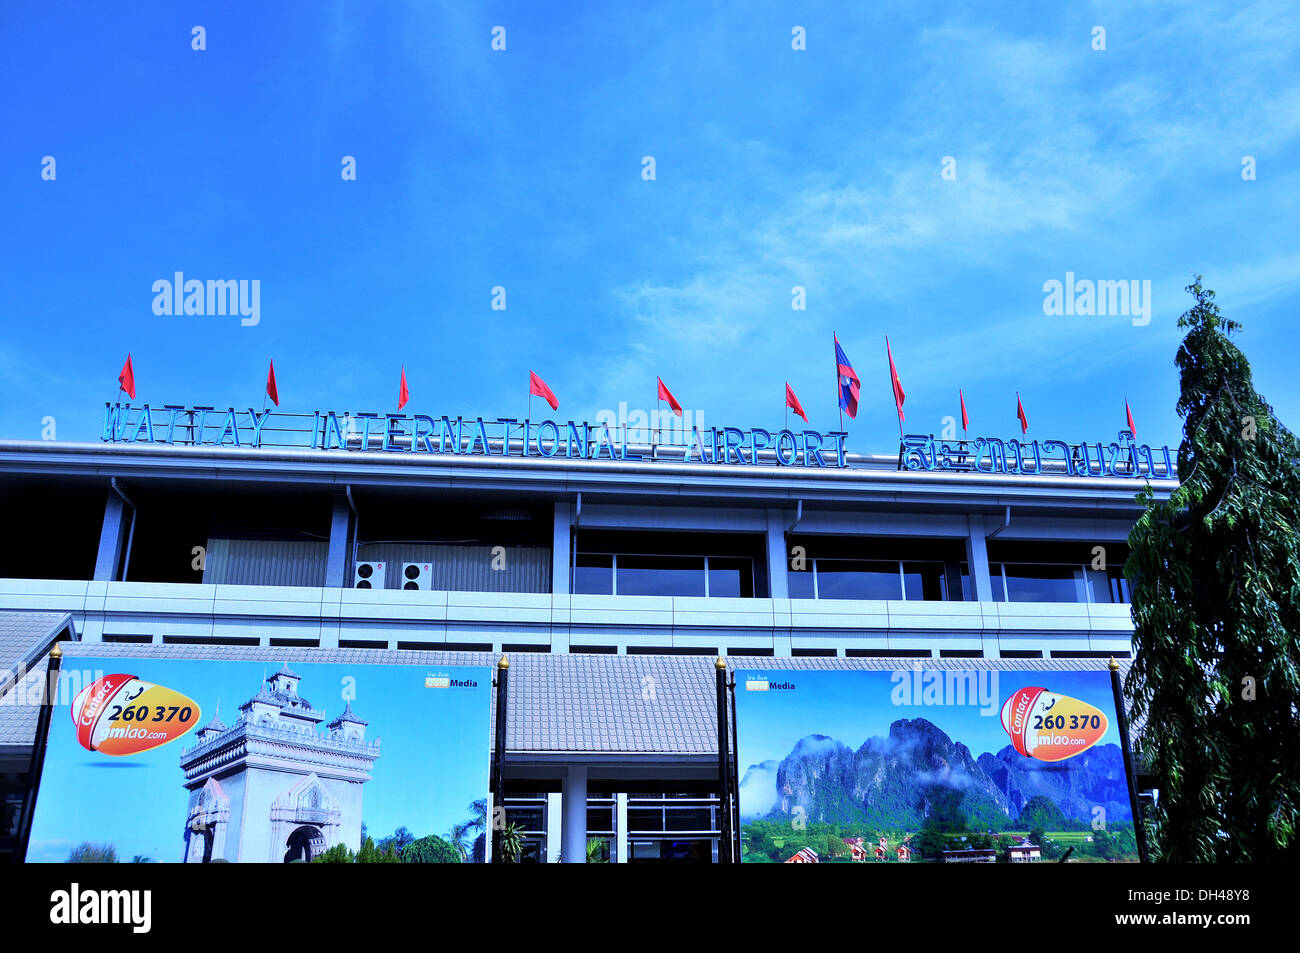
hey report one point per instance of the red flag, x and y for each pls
(538, 386)
(271, 390)
(792, 402)
(1020, 413)
(403, 395)
(665, 395)
(899, 396)
(965, 421)
(126, 380)
(1128, 413)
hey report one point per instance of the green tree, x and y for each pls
(597, 850)
(399, 840)
(1215, 579)
(88, 853)
(430, 850)
(459, 837)
(338, 854)
(370, 854)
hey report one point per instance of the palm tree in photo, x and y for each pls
(459, 837)
(478, 816)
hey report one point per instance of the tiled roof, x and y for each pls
(25, 638)
(589, 704)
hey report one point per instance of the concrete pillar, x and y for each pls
(977, 557)
(778, 560)
(340, 548)
(554, 810)
(573, 830)
(620, 827)
(108, 561)
(560, 554)
(560, 557)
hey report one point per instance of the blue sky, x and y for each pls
(854, 706)
(433, 761)
(522, 168)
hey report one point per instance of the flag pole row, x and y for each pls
(848, 392)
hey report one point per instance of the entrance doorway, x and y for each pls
(304, 845)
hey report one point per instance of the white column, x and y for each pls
(977, 558)
(573, 831)
(553, 813)
(620, 826)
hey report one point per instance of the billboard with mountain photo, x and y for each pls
(926, 764)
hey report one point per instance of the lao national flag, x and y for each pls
(1129, 414)
(664, 394)
(126, 380)
(538, 386)
(271, 390)
(792, 402)
(849, 385)
(965, 421)
(1020, 415)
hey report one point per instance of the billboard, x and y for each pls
(198, 761)
(930, 765)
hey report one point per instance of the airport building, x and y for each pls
(611, 572)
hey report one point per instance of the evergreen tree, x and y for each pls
(1215, 577)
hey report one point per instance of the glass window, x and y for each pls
(600, 819)
(660, 575)
(1044, 583)
(923, 581)
(967, 593)
(527, 818)
(688, 819)
(731, 577)
(801, 582)
(857, 579)
(1108, 586)
(645, 819)
(593, 574)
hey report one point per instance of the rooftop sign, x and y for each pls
(419, 433)
(505, 436)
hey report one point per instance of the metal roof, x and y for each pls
(25, 640)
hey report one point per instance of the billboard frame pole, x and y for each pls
(498, 760)
(1139, 828)
(36, 766)
(724, 765)
(734, 763)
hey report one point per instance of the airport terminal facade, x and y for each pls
(612, 580)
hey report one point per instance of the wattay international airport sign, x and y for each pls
(420, 433)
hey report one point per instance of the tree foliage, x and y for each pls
(430, 850)
(1215, 578)
(88, 853)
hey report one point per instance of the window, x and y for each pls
(730, 577)
(857, 579)
(640, 574)
(659, 575)
(924, 581)
(593, 574)
(1043, 583)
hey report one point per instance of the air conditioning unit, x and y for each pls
(417, 576)
(369, 576)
